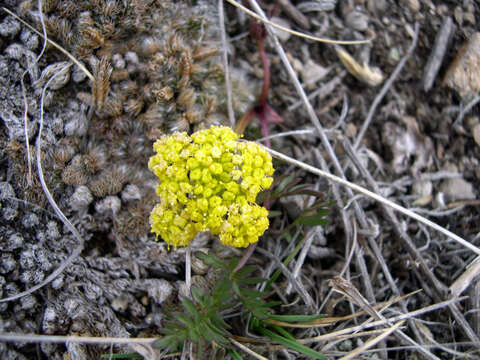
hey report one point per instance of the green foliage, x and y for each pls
(202, 318)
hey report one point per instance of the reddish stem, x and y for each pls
(266, 70)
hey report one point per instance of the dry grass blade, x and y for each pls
(354, 329)
(297, 33)
(247, 350)
(372, 342)
(374, 196)
(327, 321)
(347, 289)
(464, 280)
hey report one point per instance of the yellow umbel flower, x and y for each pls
(209, 181)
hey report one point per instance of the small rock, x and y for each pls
(351, 130)
(413, 5)
(357, 20)
(282, 35)
(476, 134)
(457, 189)
(312, 72)
(463, 74)
(422, 188)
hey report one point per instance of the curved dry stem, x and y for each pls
(374, 196)
(297, 33)
(70, 56)
(59, 339)
(52, 202)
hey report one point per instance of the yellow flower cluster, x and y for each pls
(209, 181)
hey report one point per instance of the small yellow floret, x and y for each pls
(209, 181)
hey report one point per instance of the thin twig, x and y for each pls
(246, 349)
(385, 88)
(287, 133)
(59, 339)
(24, 95)
(297, 33)
(465, 110)
(370, 343)
(70, 56)
(374, 196)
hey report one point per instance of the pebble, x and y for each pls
(312, 72)
(282, 35)
(463, 74)
(457, 189)
(476, 134)
(357, 20)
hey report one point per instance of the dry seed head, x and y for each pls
(180, 124)
(185, 66)
(151, 46)
(183, 83)
(165, 94)
(133, 107)
(194, 114)
(48, 5)
(93, 37)
(73, 175)
(85, 20)
(60, 29)
(201, 53)
(61, 70)
(63, 154)
(110, 8)
(129, 87)
(187, 98)
(113, 107)
(173, 45)
(85, 98)
(101, 85)
(119, 75)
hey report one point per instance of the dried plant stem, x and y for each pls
(247, 350)
(70, 56)
(297, 33)
(353, 354)
(385, 88)
(374, 196)
(24, 95)
(59, 339)
(76, 252)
